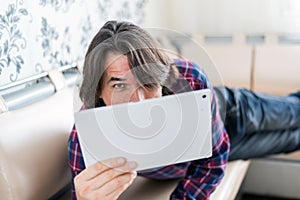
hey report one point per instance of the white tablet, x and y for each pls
(154, 132)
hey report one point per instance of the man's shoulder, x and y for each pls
(192, 72)
(184, 63)
(187, 67)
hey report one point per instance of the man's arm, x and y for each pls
(204, 175)
(76, 161)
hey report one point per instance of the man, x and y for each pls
(123, 64)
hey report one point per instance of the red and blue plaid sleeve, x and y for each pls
(76, 161)
(203, 176)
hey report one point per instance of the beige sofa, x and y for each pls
(33, 139)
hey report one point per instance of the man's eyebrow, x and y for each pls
(116, 79)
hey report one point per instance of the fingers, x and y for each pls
(111, 190)
(111, 174)
(100, 167)
(121, 183)
(106, 178)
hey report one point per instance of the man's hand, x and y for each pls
(105, 180)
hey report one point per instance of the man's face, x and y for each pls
(119, 84)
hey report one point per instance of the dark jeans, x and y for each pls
(260, 124)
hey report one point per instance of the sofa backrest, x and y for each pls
(271, 66)
(233, 61)
(276, 67)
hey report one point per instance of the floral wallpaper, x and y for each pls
(40, 35)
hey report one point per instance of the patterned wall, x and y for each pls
(40, 35)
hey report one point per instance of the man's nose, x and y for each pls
(138, 95)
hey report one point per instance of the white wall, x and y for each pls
(225, 16)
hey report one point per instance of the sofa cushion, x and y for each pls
(147, 189)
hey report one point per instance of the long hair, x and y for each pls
(148, 63)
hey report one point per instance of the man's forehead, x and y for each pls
(117, 63)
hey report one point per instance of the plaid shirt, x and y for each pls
(199, 177)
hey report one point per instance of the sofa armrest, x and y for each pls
(33, 148)
(232, 181)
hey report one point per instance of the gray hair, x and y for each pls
(151, 65)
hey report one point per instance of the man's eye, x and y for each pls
(119, 85)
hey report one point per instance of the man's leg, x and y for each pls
(266, 143)
(252, 117)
